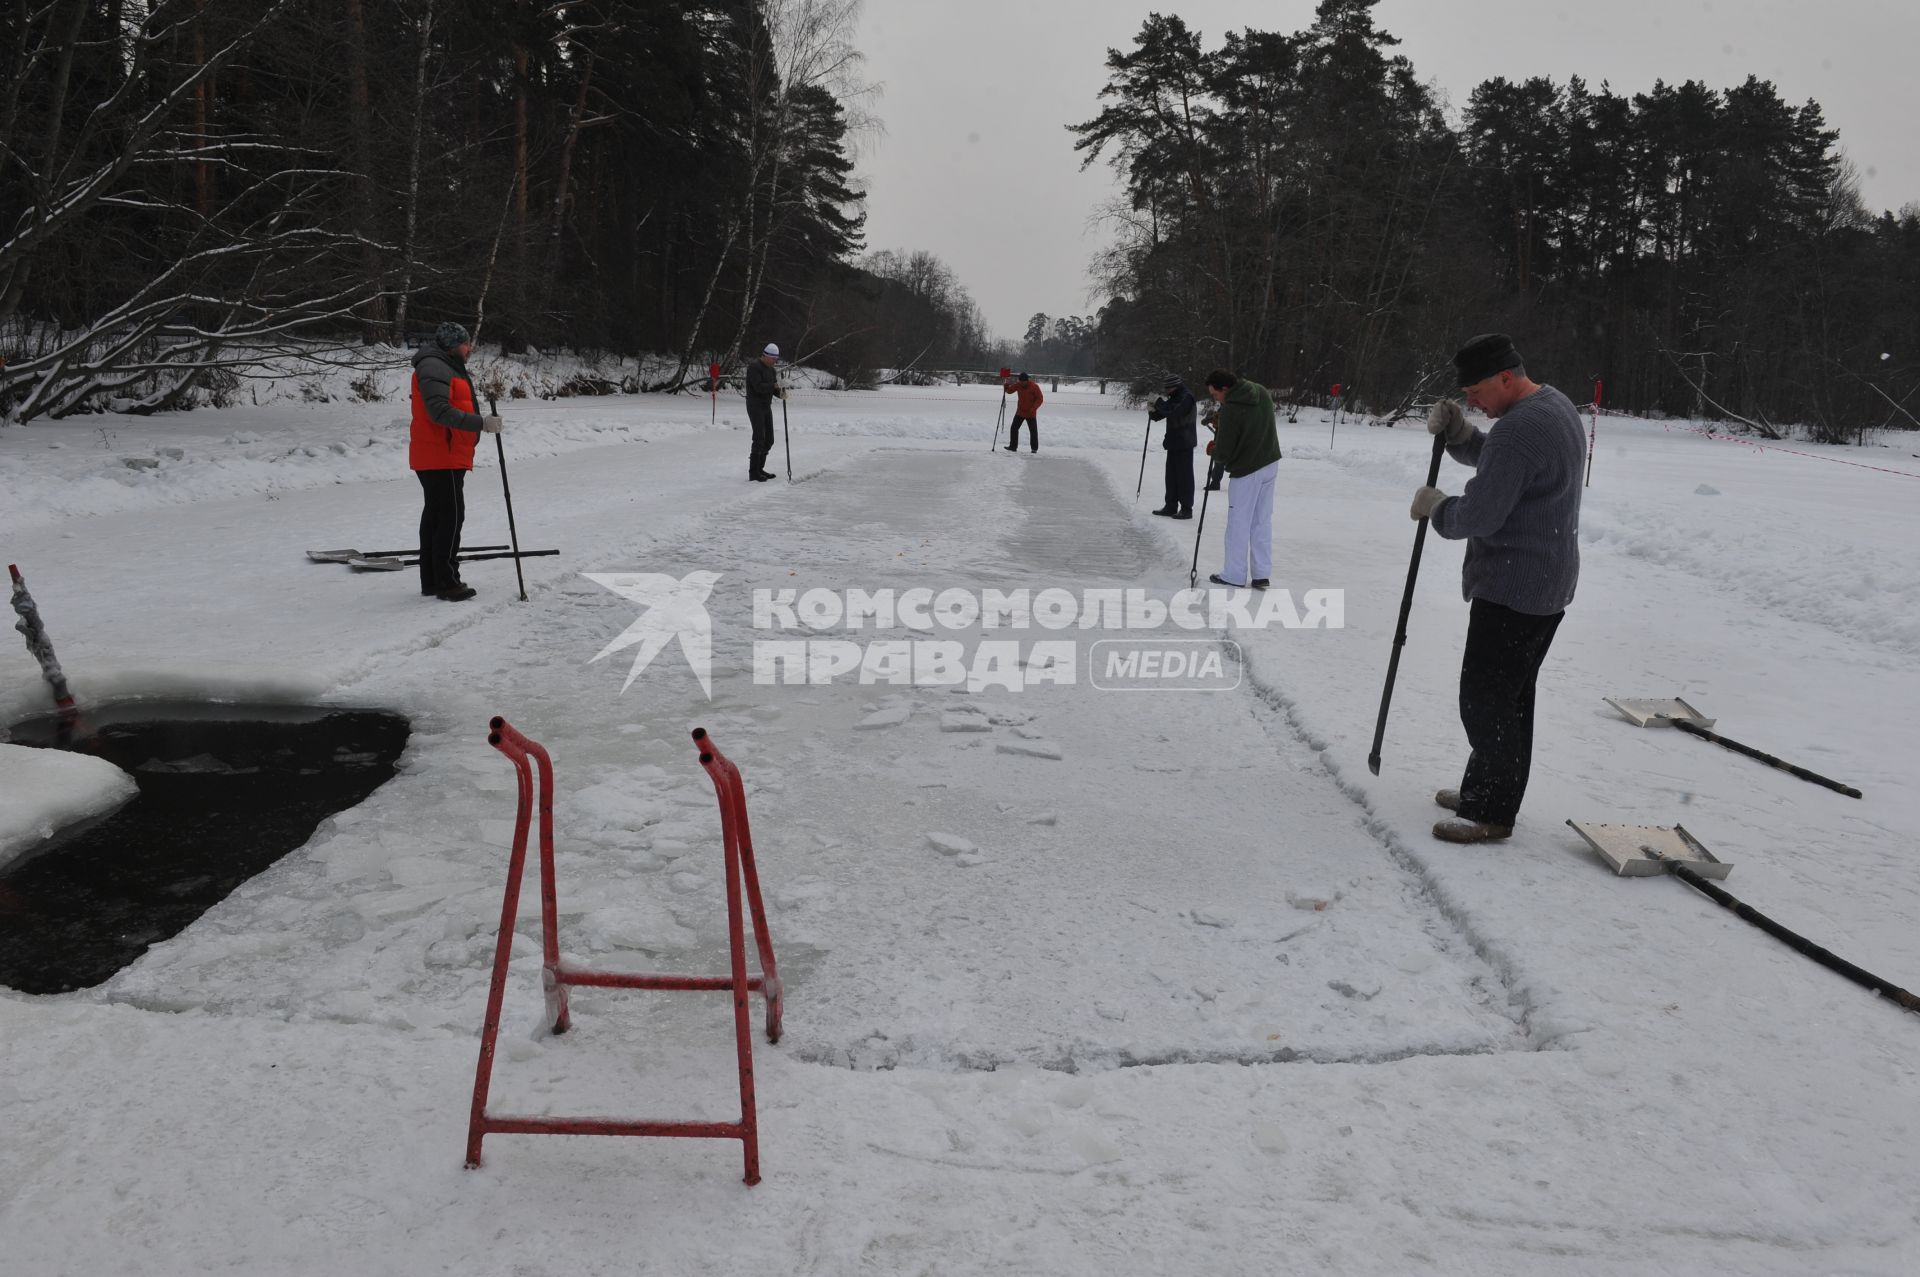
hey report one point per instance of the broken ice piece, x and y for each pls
(950, 844)
(891, 717)
(1031, 749)
(963, 721)
(1270, 1137)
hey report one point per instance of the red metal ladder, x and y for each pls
(737, 839)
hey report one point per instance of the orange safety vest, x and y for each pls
(437, 447)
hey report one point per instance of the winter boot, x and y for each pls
(457, 593)
(1166, 511)
(1460, 829)
(1448, 798)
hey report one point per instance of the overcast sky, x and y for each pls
(976, 165)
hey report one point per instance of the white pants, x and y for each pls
(1250, 526)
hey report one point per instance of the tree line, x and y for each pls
(1298, 207)
(187, 186)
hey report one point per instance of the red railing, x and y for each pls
(737, 842)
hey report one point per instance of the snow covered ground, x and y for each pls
(1078, 981)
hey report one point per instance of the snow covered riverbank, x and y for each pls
(1185, 990)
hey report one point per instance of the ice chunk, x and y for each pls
(644, 925)
(1270, 1136)
(964, 721)
(892, 716)
(950, 844)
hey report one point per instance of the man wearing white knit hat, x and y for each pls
(762, 385)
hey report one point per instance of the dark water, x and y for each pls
(225, 790)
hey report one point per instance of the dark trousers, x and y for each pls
(441, 517)
(1013, 444)
(1213, 474)
(1180, 479)
(761, 415)
(1497, 673)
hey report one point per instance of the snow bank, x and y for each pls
(44, 790)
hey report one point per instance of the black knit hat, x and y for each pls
(1173, 382)
(451, 336)
(1485, 355)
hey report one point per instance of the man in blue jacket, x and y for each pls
(1520, 518)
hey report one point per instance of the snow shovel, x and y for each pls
(1634, 851)
(1406, 606)
(373, 564)
(1677, 713)
(347, 556)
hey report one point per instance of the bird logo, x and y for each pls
(676, 609)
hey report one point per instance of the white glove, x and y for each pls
(1425, 500)
(782, 392)
(1446, 419)
(491, 425)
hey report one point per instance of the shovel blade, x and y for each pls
(1654, 712)
(1624, 848)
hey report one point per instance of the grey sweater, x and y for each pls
(1520, 513)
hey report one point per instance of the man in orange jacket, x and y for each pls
(1026, 408)
(446, 425)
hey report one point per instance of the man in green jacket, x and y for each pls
(1247, 447)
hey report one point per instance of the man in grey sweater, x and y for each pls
(1520, 517)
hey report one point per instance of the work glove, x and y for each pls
(1210, 443)
(1446, 419)
(491, 424)
(1425, 500)
(782, 392)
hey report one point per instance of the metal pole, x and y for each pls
(1798, 943)
(1593, 434)
(41, 647)
(1694, 729)
(1143, 459)
(999, 421)
(1406, 606)
(506, 489)
(1193, 573)
(786, 434)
